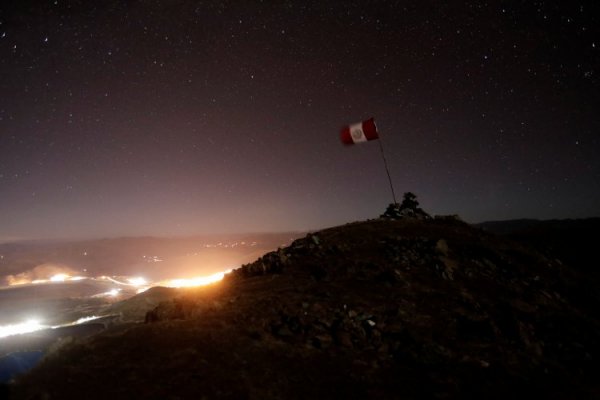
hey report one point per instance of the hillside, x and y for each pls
(377, 309)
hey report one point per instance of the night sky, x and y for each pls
(179, 117)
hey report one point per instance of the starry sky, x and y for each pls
(178, 117)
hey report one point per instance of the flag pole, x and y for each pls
(387, 170)
(362, 132)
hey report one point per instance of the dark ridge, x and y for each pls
(572, 241)
(509, 226)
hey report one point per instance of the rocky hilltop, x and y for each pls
(390, 308)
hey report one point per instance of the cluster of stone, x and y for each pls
(409, 208)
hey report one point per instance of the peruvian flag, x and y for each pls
(360, 132)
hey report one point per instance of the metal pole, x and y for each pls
(387, 170)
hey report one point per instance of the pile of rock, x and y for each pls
(409, 208)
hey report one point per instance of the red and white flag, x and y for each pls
(360, 132)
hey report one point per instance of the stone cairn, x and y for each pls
(409, 208)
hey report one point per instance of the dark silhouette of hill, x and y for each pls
(572, 241)
(136, 307)
(402, 308)
(508, 226)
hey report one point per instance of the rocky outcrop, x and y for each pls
(409, 208)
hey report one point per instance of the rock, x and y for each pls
(322, 341)
(442, 247)
(344, 339)
(409, 208)
(270, 263)
(315, 239)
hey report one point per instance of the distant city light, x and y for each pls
(197, 281)
(137, 281)
(18, 329)
(110, 293)
(85, 319)
(127, 285)
(59, 278)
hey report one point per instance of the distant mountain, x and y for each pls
(508, 226)
(572, 241)
(379, 309)
(517, 226)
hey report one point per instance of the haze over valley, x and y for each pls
(51, 283)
